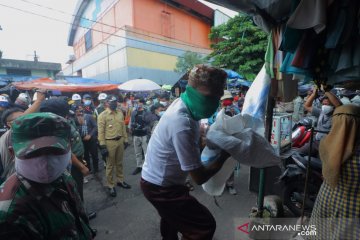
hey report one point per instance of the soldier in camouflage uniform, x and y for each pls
(78, 169)
(40, 202)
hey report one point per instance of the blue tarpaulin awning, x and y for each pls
(232, 74)
(80, 80)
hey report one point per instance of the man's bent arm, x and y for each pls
(204, 173)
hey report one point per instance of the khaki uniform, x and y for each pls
(112, 133)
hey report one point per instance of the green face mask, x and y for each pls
(200, 106)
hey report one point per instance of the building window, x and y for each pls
(19, 72)
(88, 40)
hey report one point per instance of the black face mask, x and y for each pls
(113, 105)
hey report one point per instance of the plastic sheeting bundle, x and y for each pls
(242, 136)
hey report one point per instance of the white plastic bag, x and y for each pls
(244, 144)
(242, 136)
(216, 184)
(256, 98)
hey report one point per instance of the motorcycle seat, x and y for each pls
(315, 163)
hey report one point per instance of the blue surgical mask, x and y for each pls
(87, 102)
(161, 113)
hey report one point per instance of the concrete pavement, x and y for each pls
(129, 216)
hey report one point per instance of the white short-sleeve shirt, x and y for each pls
(173, 149)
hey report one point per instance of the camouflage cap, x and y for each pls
(35, 131)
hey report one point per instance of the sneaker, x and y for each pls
(124, 185)
(86, 180)
(112, 192)
(137, 170)
(232, 190)
(189, 186)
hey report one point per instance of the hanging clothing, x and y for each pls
(310, 14)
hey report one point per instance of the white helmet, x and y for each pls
(23, 98)
(75, 97)
(102, 96)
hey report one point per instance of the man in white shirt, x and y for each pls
(174, 152)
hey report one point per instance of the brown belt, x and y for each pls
(114, 139)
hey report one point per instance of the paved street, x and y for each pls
(129, 216)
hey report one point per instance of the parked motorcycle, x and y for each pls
(294, 178)
(301, 132)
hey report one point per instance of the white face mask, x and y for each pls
(43, 169)
(163, 103)
(326, 109)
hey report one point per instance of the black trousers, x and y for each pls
(90, 148)
(179, 212)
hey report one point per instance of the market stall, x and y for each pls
(311, 40)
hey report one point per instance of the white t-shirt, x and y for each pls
(173, 148)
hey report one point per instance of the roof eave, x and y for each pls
(80, 8)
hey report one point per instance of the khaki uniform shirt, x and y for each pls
(111, 125)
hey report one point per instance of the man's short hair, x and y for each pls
(156, 106)
(206, 76)
(322, 98)
(165, 96)
(8, 112)
(55, 105)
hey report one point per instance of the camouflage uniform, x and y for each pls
(31, 210)
(77, 148)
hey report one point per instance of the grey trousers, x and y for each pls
(140, 146)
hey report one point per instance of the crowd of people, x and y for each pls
(51, 143)
(52, 149)
(49, 146)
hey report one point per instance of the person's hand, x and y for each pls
(41, 95)
(325, 87)
(104, 152)
(314, 92)
(87, 137)
(126, 144)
